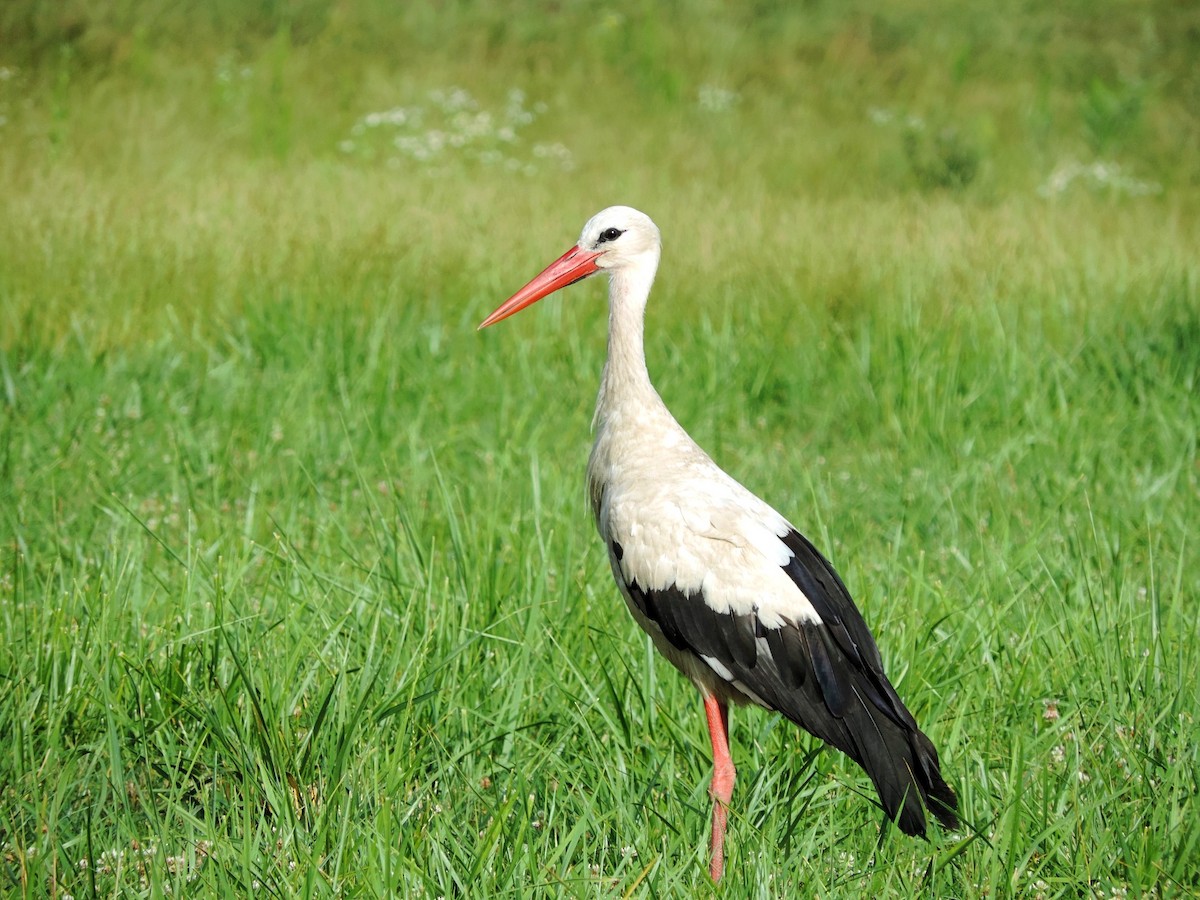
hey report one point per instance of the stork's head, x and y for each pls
(614, 240)
(621, 236)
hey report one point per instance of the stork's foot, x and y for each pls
(716, 863)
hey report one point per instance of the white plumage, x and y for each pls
(729, 591)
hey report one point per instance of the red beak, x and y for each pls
(574, 265)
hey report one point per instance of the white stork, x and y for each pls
(733, 595)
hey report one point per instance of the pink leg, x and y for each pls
(722, 782)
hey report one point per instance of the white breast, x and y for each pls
(681, 521)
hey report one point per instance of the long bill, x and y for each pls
(574, 265)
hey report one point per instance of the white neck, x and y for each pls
(625, 381)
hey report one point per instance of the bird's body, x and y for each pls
(731, 594)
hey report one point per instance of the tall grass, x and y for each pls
(298, 593)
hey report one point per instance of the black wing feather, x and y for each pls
(826, 677)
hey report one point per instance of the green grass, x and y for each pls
(298, 590)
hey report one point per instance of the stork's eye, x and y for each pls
(609, 234)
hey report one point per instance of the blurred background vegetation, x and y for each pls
(233, 130)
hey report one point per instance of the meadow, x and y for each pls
(299, 591)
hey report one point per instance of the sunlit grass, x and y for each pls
(298, 591)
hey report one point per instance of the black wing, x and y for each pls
(827, 677)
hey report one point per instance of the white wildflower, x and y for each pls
(717, 99)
